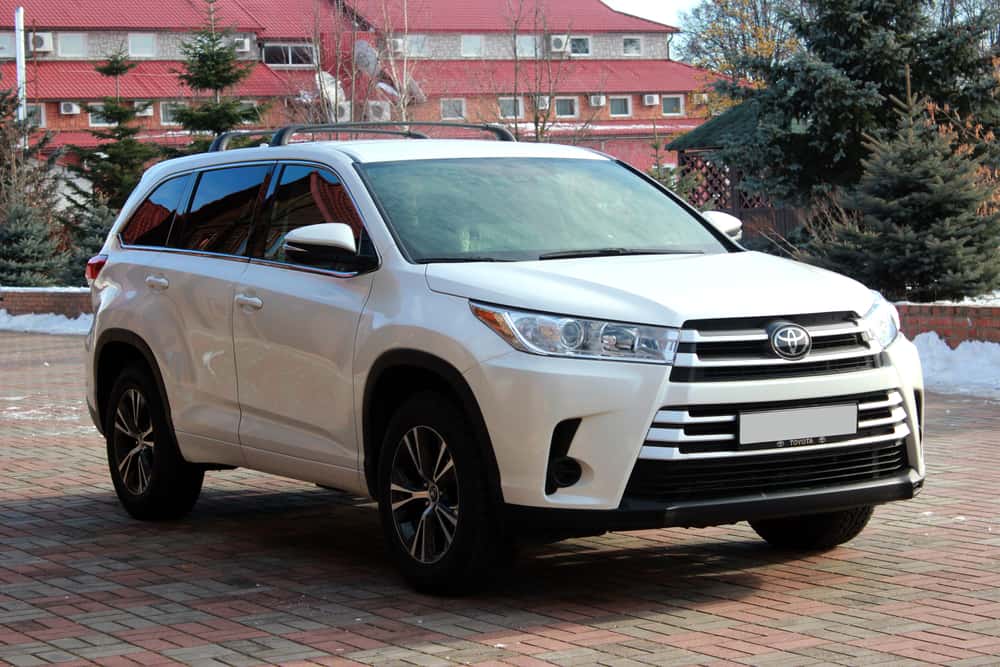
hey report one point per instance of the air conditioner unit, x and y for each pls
(242, 44)
(542, 102)
(396, 46)
(378, 111)
(143, 108)
(650, 100)
(69, 109)
(598, 100)
(344, 110)
(41, 42)
(559, 43)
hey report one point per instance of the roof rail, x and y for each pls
(221, 142)
(283, 136)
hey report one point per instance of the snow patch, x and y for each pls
(43, 290)
(990, 300)
(971, 368)
(48, 323)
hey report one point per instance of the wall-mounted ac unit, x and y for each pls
(242, 44)
(542, 102)
(559, 43)
(143, 108)
(344, 112)
(378, 111)
(598, 100)
(650, 100)
(41, 42)
(396, 46)
(69, 109)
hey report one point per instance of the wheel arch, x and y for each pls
(115, 349)
(397, 375)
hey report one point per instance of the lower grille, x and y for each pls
(720, 478)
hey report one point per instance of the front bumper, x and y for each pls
(524, 397)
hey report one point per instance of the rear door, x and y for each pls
(206, 255)
(294, 331)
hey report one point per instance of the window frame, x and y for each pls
(287, 48)
(90, 116)
(9, 43)
(590, 46)
(262, 222)
(83, 45)
(576, 106)
(164, 121)
(519, 107)
(183, 201)
(534, 50)
(460, 100)
(468, 54)
(131, 51)
(256, 107)
(677, 96)
(418, 38)
(628, 100)
(642, 46)
(41, 113)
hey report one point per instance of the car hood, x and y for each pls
(664, 290)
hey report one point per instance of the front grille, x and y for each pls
(692, 430)
(719, 478)
(736, 349)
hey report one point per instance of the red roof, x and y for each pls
(464, 77)
(293, 19)
(150, 80)
(134, 15)
(470, 16)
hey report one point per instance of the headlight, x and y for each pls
(882, 321)
(562, 336)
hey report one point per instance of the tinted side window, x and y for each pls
(309, 196)
(221, 210)
(150, 224)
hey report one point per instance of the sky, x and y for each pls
(664, 11)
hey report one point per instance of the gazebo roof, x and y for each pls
(734, 122)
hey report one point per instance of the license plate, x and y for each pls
(798, 426)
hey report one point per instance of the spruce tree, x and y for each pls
(211, 67)
(922, 232)
(29, 251)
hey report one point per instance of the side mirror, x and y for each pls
(320, 245)
(729, 225)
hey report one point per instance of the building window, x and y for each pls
(36, 115)
(415, 45)
(168, 112)
(511, 107)
(527, 46)
(472, 46)
(253, 113)
(566, 107)
(632, 46)
(97, 119)
(620, 106)
(72, 45)
(289, 55)
(579, 46)
(452, 109)
(673, 105)
(142, 44)
(7, 45)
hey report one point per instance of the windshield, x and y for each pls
(503, 209)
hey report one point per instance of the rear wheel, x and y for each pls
(438, 516)
(814, 532)
(151, 478)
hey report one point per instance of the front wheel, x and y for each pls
(814, 532)
(438, 516)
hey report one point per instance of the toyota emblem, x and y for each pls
(790, 341)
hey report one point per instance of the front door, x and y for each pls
(294, 329)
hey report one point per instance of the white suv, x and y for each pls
(494, 340)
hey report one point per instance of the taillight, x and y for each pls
(94, 266)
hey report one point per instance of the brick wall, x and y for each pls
(954, 324)
(64, 301)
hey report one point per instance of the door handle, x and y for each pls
(157, 282)
(252, 302)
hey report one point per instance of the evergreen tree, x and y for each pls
(818, 106)
(922, 231)
(29, 251)
(86, 228)
(212, 67)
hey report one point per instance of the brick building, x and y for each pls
(565, 70)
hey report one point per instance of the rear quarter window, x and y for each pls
(151, 222)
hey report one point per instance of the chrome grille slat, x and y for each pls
(683, 417)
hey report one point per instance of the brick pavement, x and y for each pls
(268, 570)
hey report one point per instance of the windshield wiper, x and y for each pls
(611, 252)
(452, 260)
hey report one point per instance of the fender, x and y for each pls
(132, 340)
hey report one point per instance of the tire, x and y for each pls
(814, 532)
(151, 478)
(450, 495)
